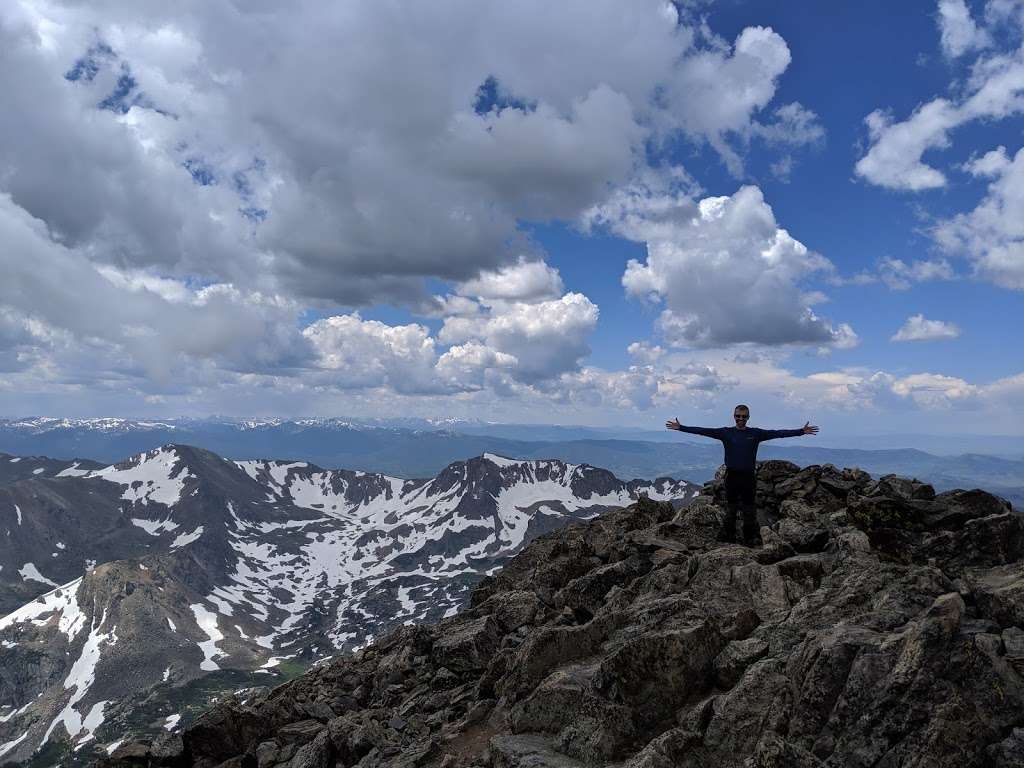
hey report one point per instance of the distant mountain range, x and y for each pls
(421, 448)
(183, 574)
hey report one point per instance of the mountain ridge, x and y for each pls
(197, 566)
(422, 448)
(881, 624)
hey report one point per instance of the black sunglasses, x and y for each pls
(741, 417)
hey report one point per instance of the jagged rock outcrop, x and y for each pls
(880, 625)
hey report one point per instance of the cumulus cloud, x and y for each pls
(1006, 391)
(994, 90)
(523, 281)
(173, 198)
(163, 136)
(149, 321)
(959, 32)
(855, 390)
(894, 159)
(546, 338)
(991, 235)
(726, 271)
(716, 92)
(368, 353)
(918, 328)
(933, 390)
(17, 341)
(474, 365)
(643, 387)
(990, 165)
(644, 353)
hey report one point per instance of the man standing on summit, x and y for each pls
(741, 444)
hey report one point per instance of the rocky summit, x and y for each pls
(132, 594)
(879, 625)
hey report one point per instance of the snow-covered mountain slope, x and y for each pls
(210, 565)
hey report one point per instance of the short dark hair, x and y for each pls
(741, 407)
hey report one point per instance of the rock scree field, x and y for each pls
(879, 625)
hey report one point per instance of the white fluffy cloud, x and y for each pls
(851, 394)
(369, 354)
(179, 186)
(993, 90)
(959, 32)
(546, 338)
(919, 328)
(726, 271)
(523, 281)
(148, 322)
(894, 159)
(165, 135)
(716, 94)
(642, 387)
(990, 165)
(933, 390)
(992, 235)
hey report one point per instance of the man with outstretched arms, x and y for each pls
(741, 444)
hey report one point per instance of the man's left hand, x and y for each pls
(810, 429)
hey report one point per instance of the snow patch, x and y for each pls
(92, 721)
(62, 600)
(72, 471)
(152, 477)
(171, 722)
(187, 538)
(223, 606)
(207, 622)
(501, 461)
(154, 527)
(13, 714)
(81, 678)
(5, 748)
(29, 572)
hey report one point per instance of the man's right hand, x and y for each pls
(674, 424)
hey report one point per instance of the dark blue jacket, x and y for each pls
(741, 444)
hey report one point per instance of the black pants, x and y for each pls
(740, 491)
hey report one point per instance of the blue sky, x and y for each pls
(822, 203)
(586, 213)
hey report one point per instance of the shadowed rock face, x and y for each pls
(880, 625)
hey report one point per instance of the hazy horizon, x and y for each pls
(938, 443)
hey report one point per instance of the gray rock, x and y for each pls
(637, 640)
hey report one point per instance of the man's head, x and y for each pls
(741, 415)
